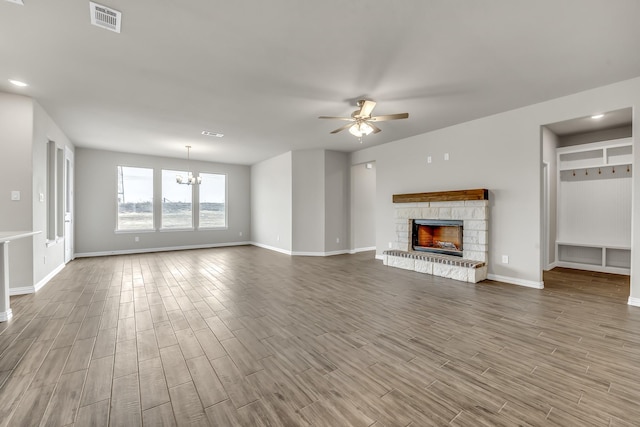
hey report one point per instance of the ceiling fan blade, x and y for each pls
(375, 128)
(390, 117)
(367, 108)
(337, 118)
(347, 126)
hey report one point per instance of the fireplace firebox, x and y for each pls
(436, 236)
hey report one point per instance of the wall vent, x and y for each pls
(105, 17)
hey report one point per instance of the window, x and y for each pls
(213, 190)
(135, 198)
(177, 206)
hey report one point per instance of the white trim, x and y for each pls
(551, 266)
(24, 290)
(380, 257)
(6, 315)
(163, 249)
(271, 248)
(356, 250)
(516, 281)
(597, 268)
(48, 277)
(634, 301)
(331, 253)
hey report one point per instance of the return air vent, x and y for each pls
(105, 17)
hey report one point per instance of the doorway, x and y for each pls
(68, 205)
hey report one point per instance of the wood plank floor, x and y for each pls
(249, 337)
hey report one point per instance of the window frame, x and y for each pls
(153, 216)
(162, 227)
(226, 202)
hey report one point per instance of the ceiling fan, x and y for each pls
(361, 121)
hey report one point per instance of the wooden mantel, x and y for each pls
(442, 196)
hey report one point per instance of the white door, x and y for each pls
(68, 205)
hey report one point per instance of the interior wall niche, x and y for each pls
(593, 186)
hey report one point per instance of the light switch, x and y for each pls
(42, 197)
(15, 195)
(446, 156)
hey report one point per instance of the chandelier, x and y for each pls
(190, 179)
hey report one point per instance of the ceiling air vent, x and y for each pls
(105, 17)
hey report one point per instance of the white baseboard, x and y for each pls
(24, 290)
(163, 249)
(271, 248)
(356, 250)
(551, 266)
(6, 315)
(634, 301)
(516, 281)
(331, 253)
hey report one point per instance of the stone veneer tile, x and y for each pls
(450, 272)
(429, 213)
(474, 256)
(407, 213)
(469, 213)
(401, 262)
(447, 204)
(444, 213)
(476, 203)
(476, 225)
(423, 266)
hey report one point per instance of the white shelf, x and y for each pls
(603, 258)
(617, 152)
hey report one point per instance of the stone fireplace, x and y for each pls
(443, 233)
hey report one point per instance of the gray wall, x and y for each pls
(271, 203)
(26, 129)
(16, 168)
(96, 207)
(46, 258)
(308, 201)
(502, 153)
(363, 206)
(602, 135)
(336, 201)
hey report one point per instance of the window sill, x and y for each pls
(145, 230)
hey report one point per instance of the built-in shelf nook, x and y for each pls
(594, 206)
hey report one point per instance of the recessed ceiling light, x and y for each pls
(18, 83)
(597, 116)
(216, 134)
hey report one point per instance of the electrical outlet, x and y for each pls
(240, 234)
(390, 245)
(337, 240)
(505, 259)
(42, 197)
(137, 239)
(428, 159)
(15, 195)
(446, 156)
(278, 237)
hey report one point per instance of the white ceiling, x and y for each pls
(262, 71)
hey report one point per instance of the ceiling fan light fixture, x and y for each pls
(360, 129)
